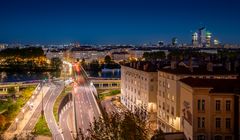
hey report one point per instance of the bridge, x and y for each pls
(105, 83)
(17, 85)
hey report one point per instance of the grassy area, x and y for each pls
(41, 128)
(109, 93)
(11, 107)
(58, 101)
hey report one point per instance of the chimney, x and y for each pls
(190, 64)
(173, 65)
(210, 66)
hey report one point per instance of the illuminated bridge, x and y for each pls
(105, 83)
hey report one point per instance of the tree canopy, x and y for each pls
(107, 59)
(151, 56)
(123, 126)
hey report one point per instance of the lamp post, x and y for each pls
(16, 120)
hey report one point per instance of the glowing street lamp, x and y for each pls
(16, 120)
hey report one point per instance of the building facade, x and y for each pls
(139, 89)
(208, 111)
(168, 96)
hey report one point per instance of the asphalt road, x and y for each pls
(48, 112)
(32, 122)
(66, 119)
(86, 107)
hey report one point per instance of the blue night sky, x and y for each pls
(116, 21)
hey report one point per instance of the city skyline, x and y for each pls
(108, 22)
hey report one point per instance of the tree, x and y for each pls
(107, 59)
(83, 63)
(158, 135)
(56, 63)
(154, 56)
(3, 122)
(119, 126)
(94, 65)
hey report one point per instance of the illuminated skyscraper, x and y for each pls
(195, 39)
(208, 39)
(174, 41)
(202, 36)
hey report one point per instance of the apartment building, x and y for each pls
(120, 56)
(139, 88)
(168, 94)
(210, 109)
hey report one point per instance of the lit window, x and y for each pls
(168, 85)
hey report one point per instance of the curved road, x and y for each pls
(65, 122)
(48, 112)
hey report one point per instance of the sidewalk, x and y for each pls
(22, 118)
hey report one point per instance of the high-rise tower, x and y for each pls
(195, 39)
(202, 36)
(208, 39)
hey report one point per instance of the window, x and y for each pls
(228, 137)
(200, 137)
(218, 103)
(201, 105)
(172, 110)
(228, 105)
(218, 137)
(201, 122)
(228, 123)
(218, 122)
(168, 85)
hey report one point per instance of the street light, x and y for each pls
(16, 120)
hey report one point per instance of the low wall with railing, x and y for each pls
(65, 100)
